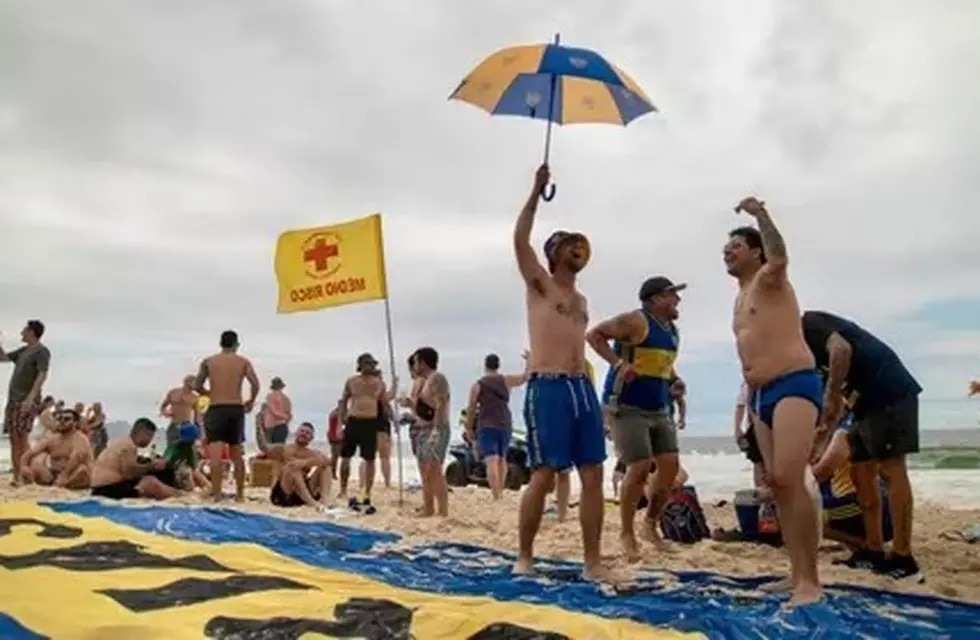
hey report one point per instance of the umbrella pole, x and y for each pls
(548, 191)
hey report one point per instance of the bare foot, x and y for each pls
(650, 533)
(805, 594)
(779, 586)
(523, 567)
(604, 575)
(239, 497)
(630, 548)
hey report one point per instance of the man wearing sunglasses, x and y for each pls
(62, 458)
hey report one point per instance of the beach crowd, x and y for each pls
(827, 414)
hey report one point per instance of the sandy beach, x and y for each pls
(952, 567)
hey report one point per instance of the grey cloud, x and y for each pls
(151, 152)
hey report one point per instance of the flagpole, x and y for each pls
(393, 404)
(394, 413)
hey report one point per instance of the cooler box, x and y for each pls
(747, 511)
(262, 471)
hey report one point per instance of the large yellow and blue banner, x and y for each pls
(331, 266)
(99, 570)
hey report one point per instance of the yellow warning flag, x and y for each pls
(331, 266)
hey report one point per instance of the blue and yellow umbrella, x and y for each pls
(565, 85)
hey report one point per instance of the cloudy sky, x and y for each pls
(151, 152)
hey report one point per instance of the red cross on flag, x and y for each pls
(331, 266)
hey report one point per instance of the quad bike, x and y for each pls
(466, 468)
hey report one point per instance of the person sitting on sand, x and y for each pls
(119, 471)
(62, 459)
(182, 459)
(302, 473)
(842, 517)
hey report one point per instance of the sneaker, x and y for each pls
(865, 559)
(368, 507)
(353, 504)
(902, 567)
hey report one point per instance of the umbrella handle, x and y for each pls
(548, 192)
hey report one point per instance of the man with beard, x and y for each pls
(786, 389)
(638, 401)
(561, 410)
(362, 408)
(24, 394)
(303, 474)
(885, 431)
(62, 458)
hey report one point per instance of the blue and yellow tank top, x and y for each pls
(838, 494)
(653, 360)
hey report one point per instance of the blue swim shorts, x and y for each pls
(564, 422)
(798, 384)
(492, 441)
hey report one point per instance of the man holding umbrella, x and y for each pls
(564, 420)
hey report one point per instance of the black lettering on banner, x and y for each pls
(508, 631)
(196, 590)
(368, 618)
(48, 530)
(103, 556)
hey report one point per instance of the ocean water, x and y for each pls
(945, 471)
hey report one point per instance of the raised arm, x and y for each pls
(527, 261)
(773, 245)
(626, 327)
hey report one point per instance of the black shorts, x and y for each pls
(280, 498)
(225, 423)
(750, 446)
(118, 490)
(360, 434)
(853, 526)
(886, 433)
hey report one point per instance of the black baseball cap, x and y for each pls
(657, 285)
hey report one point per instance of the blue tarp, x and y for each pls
(718, 606)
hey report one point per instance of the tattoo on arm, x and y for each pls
(202, 376)
(772, 240)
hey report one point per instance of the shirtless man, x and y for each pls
(786, 389)
(224, 423)
(360, 407)
(120, 473)
(303, 474)
(180, 405)
(561, 409)
(62, 458)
